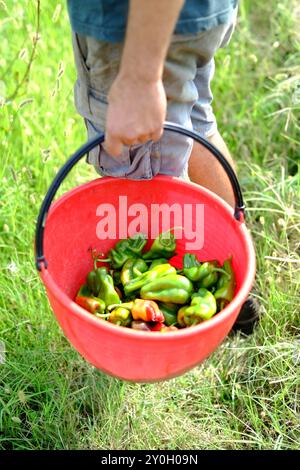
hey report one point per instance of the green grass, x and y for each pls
(246, 395)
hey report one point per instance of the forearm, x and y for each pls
(149, 29)
(137, 99)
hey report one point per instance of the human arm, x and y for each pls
(137, 101)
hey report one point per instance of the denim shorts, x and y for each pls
(188, 71)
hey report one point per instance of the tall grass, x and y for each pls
(246, 395)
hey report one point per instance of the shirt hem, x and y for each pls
(184, 27)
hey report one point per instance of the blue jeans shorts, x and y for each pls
(188, 71)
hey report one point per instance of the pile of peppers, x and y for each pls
(143, 291)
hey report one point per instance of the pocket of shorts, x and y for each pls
(79, 55)
(227, 36)
(136, 162)
(103, 61)
(230, 30)
(104, 163)
(110, 166)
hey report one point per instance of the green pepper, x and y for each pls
(205, 273)
(157, 262)
(226, 285)
(172, 288)
(91, 303)
(120, 316)
(84, 291)
(212, 277)
(116, 275)
(170, 312)
(148, 276)
(132, 268)
(107, 291)
(163, 246)
(125, 249)
(191, 266)
(202, 307)
(93, 282)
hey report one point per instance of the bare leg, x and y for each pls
(205, 170)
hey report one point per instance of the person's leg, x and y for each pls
(205, 170)
(188, 71)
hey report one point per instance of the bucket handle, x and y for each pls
(97, 140)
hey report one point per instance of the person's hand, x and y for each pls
(136, 112)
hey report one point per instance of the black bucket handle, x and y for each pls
(97, 140)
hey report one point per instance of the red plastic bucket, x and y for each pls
(122, 352)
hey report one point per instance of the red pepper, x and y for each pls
(146, 310)
(90, 304)
(163, 328)
(158, 326)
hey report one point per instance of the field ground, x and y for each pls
(246, 395)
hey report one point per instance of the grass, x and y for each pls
(246, 395)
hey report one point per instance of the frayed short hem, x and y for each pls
(205, 131)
